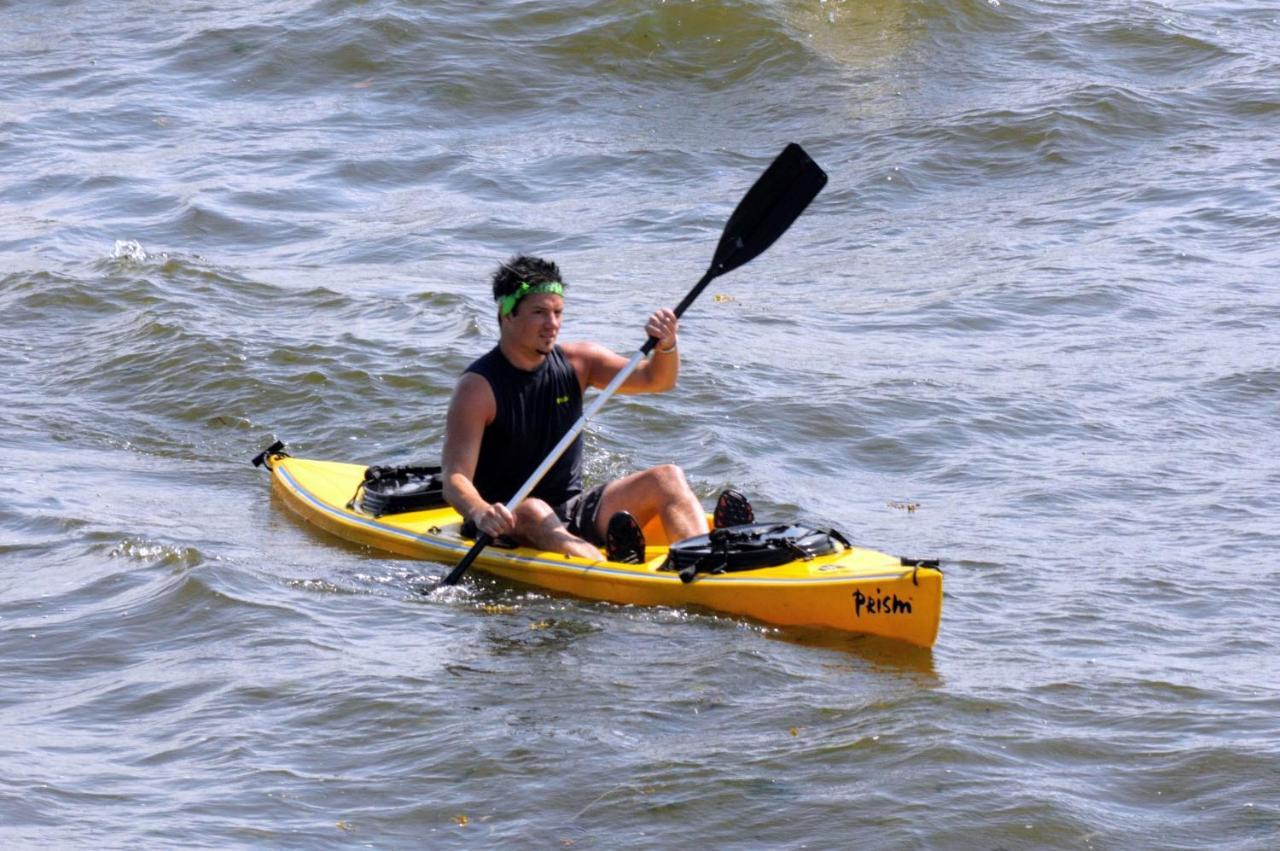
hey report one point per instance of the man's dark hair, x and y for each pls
(524, 268)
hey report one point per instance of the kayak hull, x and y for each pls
(857, 590)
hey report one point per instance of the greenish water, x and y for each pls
(1038, 299)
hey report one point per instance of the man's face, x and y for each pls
(536, 322)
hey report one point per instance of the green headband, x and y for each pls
(507, 303)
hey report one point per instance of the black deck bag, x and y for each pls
(750, 547)
(398, 490)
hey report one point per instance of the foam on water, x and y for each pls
(128, 249)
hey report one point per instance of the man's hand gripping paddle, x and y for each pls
(775, 201)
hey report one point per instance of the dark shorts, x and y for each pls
(578, 514)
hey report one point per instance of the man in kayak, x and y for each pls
(513, 405)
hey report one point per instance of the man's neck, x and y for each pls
(520, 358)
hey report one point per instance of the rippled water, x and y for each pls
(1038, 301)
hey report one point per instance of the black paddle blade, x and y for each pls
(775, 201)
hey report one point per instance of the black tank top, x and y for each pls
(535, 410)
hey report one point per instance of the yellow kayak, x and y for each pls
(853, 590)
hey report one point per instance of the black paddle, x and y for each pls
(775, 201)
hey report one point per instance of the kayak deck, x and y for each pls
(856, 590)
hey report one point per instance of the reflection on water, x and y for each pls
(858, 35)
(863, 650)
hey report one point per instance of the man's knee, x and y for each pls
(532, 512)
(669, 479)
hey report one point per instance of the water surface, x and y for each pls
(1037, 301)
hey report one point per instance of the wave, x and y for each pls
(172, 353)
(458, 56)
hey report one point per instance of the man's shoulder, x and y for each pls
(582, 355)
(484, 362)
(582, 350)
(473, 393)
